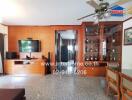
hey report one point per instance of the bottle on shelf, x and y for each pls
(91, 58)
(96, 50)
(87, 49)
(91, 50)
(96, 58)
(87, 41)
(86, 58)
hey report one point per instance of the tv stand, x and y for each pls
(24, 67)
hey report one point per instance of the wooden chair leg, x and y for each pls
(119, 96)
(107, 91)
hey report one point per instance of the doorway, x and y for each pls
(66, 50)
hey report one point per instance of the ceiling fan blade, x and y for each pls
(120, 2)
(93, 3)
(86, 16)
(129, 10)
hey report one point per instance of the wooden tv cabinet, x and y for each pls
(24, 67)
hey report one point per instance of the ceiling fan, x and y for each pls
(103, 9)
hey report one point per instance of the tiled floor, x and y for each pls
(56, 87)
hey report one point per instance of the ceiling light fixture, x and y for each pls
(107, 14)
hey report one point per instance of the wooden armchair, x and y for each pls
(112, 78)
(126, 87)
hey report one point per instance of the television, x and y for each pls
(29, 45)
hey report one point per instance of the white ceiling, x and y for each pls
(46, 12)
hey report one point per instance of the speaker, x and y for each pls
(49, 66)
(49, 57)
(11, 55)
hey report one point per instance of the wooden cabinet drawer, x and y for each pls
(95, 71)
(33, 67)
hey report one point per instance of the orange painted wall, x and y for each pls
(46, 34)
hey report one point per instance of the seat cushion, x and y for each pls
(12, 94)
(127, 84)
(112, 75)
(113, 86)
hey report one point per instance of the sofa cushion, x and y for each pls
(12, 94)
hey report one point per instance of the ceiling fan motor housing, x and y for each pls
(103, 7)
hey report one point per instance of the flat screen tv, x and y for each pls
(29, 45)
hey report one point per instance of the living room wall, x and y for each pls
(4, 30)
(46, 34)
(126, 49)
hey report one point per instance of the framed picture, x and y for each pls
(128, 36)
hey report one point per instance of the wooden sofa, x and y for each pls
(12, 94)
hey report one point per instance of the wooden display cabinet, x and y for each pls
(113, 33)
(102, 45)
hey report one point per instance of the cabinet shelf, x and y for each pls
(92, 52)
(91, 34)
(92, 43)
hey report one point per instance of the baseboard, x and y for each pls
(1, 74)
